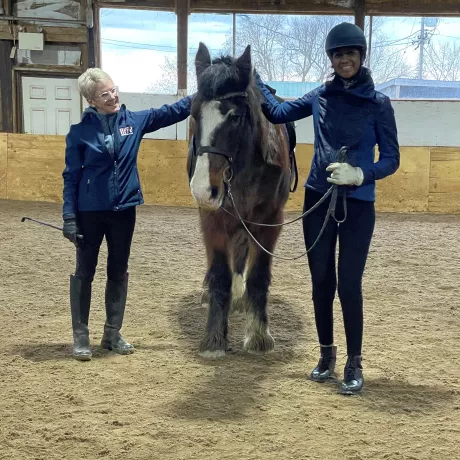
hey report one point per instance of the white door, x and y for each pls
(50, 105)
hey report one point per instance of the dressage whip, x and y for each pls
(80, 237)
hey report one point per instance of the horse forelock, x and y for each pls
(222, 77)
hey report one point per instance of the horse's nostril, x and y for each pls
(214, 192)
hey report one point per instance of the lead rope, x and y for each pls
(333, 191)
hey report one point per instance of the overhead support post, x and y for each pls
(6, 87)
(182, 13)
(360, 13)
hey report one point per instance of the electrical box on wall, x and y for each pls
(30, 41)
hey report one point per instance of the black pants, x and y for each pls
(118, 229)
(354, 237)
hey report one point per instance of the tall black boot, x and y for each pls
(353, 380)
(80, 302)
(115, 302)
(326, 365)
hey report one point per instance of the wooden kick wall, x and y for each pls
(31, 166)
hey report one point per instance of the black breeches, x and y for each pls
(118, 229)
(354, 237)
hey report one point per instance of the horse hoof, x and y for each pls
(205, 298)
(207, 354)
(260, 353)
(259, 345)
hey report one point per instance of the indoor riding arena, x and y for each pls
(165, 401)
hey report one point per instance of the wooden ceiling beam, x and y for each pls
(275, 6)
(346, 7)
(413, 7)
(240, 6)
(161, 5)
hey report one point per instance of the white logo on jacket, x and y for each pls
(126, 131)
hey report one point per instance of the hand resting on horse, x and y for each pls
(345, 174)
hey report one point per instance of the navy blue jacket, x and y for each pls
(101, 177)
(351, 114)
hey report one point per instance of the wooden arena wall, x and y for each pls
(31, 166)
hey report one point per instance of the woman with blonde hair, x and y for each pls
(101, 192)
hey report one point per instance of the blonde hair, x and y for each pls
(89, 79)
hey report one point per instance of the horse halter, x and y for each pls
(215, 150)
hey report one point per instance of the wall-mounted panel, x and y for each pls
(50, 9)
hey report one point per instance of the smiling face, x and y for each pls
(106, 99)
(346, 62)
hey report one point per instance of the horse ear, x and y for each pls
(244, 61)
(202, 59)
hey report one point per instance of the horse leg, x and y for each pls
(215, 342)
(205, 293)
(240, 250)
(257, 334)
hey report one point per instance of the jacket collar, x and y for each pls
(91, 112)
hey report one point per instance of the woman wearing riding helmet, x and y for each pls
(347, 112)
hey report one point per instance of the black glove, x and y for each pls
(70, 231)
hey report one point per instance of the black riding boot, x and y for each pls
(353, 376)
(115, 301)
(80, 302)
(326, 365)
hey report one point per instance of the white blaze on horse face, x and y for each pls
(200, 184)
(211, 119)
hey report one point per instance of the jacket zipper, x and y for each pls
(115, 174)
(115, 156)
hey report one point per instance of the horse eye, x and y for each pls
(235, 118)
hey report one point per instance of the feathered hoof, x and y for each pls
(259, 344)
(205, 300)
(213, 347)
(208, 354)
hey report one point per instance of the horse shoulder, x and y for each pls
(277, 147)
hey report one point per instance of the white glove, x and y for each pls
(345, 174)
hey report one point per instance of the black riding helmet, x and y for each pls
(346, 34)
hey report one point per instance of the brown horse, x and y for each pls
(233, 147)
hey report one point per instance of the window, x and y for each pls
(135, 47)
(415, 58)
(288, 50)
(410, 57)
(215, 31)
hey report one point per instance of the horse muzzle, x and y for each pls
(210, 198)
